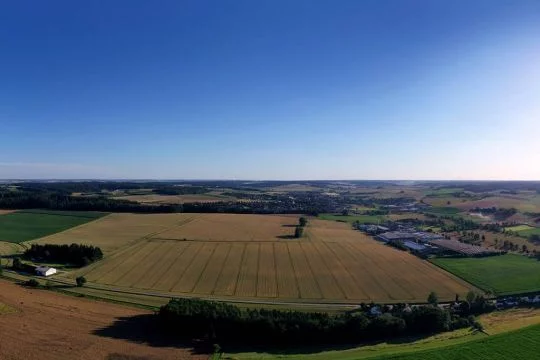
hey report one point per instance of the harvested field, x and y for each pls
(531, 204)
(230, 227)
(8, 248)
(103, 330)
(117, 230)
(243, 257)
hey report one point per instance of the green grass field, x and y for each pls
(443, 192)
(443, 210)
(524, 230)
(520, 344)
(363, 219)
(32, 224)
(502, 275)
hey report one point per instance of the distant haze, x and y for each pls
(270, 90)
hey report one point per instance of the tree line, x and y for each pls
(229, 324)
(75, 254)
(302, 203)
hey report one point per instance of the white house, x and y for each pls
(45, 271)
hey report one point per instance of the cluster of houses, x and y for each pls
(509, 302)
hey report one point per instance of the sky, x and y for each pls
(270, 89)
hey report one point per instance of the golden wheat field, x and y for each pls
(253, 257)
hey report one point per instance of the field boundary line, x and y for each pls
(71, 228)
(204, 269)
(331, 272)
(294, 272)
(187, 267)
(139, 247)
(383, 270)
(244, 248)
(258, 269)
(141, 261)
(275, 268)
(170, 266)
(313, 273)
(221, 270)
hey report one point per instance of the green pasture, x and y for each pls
(442, 210)
(32, 224)
(524, 230)
(502, 275)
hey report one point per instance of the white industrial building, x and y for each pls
(45, 271)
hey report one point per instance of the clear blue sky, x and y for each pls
(270, 89)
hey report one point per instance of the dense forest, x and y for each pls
(74, 254)
(229, 324)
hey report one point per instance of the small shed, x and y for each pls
(45, 271)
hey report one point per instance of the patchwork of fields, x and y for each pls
(252, 257)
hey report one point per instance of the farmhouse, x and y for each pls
(45, 271)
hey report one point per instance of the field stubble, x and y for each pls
(248, 260)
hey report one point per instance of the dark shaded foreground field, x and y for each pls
(45, 325)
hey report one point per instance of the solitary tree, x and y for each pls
(302, 221)
(298, 232)
(80, 280)
(433, 299)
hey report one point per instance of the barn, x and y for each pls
(45, 271)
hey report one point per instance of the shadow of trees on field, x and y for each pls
(144, 329)
(287, 237)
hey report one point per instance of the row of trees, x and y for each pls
(75, 254)
(225, 323)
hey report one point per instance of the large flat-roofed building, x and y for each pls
(396, 236)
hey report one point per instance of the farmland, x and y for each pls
(82, 329)
(521, 344)
(524, 230)
(254, 257)
(173, 199)
(22, 226)
(506, 274)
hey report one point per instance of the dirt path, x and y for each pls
(47, 325)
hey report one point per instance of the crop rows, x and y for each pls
(311, 270)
